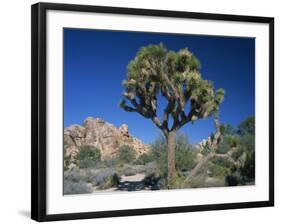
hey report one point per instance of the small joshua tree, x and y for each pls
(156, 72)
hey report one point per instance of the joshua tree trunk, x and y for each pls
(171, 144)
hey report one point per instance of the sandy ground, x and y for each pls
(134, 178)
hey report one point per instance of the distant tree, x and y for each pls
(229, 130)
(156, 72)
(247, 126)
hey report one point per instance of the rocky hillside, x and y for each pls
(102, 135)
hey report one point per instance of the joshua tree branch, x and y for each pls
(145, 113)
(211, 155)
(228, 157)
(200, 164)
(170, 85)
(213, 146)
(129, 109)
(185, 118)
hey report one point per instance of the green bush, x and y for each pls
(185, 160)
(245, 174)
(217, 170)
(248, 170)
(159, 152)
(185, 154)
(179, 182)
(88, 156)
(232, 140)
(112, 181)
(228, 142)
(129, 172)
(248, 140)
(145, 158)
(247, 126)
(234, 179)
(125, 154)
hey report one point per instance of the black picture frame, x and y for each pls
(38, 116)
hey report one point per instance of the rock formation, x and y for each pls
(102, 135)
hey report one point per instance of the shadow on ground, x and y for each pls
(137, 186)
(131, 186)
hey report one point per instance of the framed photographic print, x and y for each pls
(139, 111)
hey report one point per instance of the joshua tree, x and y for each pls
(156, 72)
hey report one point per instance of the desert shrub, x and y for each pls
(162, 163)
(111, 162)
(158, 146)
(185, 160)
(197, 181)
(248, 170)
(218, 170)
(75, 175)
(247, 126)
(125, 154)
(159, 152)
(245, 174)
(88, 156)
(145, 158)
(222, 162)
(85, 163)
(248, 140)
(241, 149)
(179, 182)
(139, 168)
(111, 181)
(131, 169)
(70, 187)
(231, 140)
(185, 154)
(234, 178)
(228, 142)
(100, 176)
(151, 168)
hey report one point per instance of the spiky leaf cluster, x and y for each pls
(156, 72)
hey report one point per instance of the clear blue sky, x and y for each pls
(95, 64)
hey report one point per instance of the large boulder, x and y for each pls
(102, 135)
